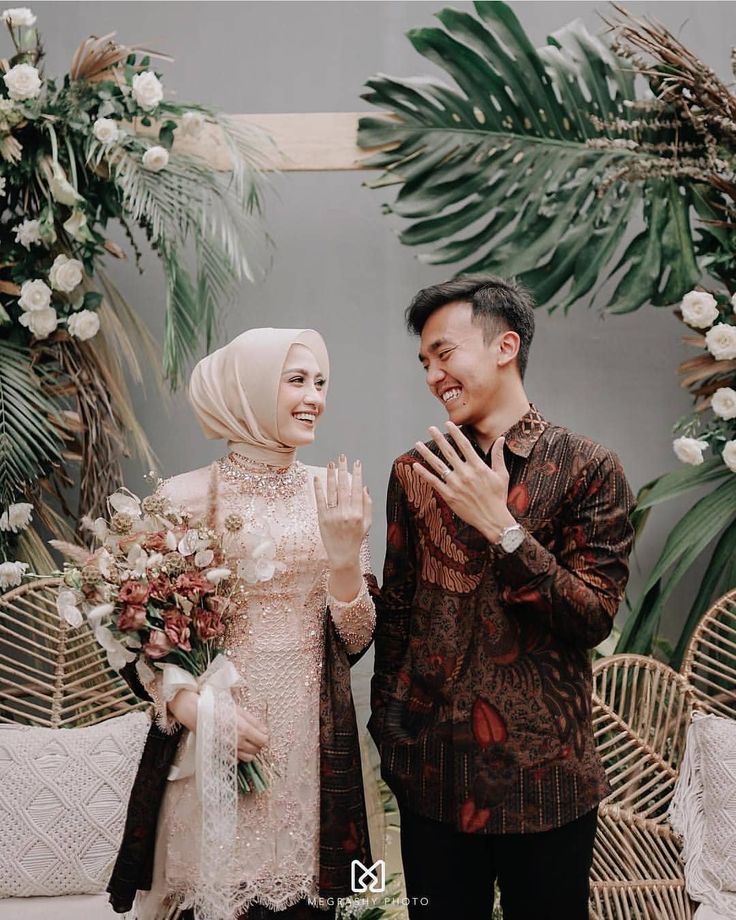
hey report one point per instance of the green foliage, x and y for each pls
(73, 159)
(511, 170)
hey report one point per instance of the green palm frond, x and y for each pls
(29, 441)
(514, 169)
(187, 207)
(709, 518)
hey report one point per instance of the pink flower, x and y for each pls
(133, 616)
(208, 625)
(158, 645)
(156, 543)
(160, 587)
(192, 584)
(176, 627)
(133, 592)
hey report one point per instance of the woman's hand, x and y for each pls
(252, 733)
(344, 515)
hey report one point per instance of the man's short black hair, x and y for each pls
(497, 303)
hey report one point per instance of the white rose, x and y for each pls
(156, 158)
(23, 82)
(721, 341)
(19, 16)
(699, 309)
(729, 455)
(66, 274)
(17, 517)
(192, 124)
(83, 325)
(147, 90)
(723, 403)
(34, 295)
(40, 322)
(106, 130)
(28, 233)
(689, 450)
(11, 573)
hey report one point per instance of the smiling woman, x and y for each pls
(301, 399)
(299, 606)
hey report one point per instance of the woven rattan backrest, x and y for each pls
(51, 674)
(641, 711)
(709, 665)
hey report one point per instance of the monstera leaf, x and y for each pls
(517, 168)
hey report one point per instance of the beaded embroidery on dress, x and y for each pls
(276, 641)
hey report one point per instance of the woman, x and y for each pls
(289, 638)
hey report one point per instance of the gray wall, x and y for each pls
(338, 266)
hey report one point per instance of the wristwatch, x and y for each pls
(511, 538)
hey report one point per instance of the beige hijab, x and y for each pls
(234, 391)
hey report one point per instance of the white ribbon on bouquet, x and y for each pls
(211, 755)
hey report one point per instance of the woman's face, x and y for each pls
(301, 399)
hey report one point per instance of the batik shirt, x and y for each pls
(481, 696)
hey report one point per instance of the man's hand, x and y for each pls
(475, 492)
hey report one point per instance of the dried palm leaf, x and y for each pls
(718, 368)
(673, 67)
(96, 58)
(32, 549)
(102, 441)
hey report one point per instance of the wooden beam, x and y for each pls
(309, 141)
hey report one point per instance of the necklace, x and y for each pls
(262, 478)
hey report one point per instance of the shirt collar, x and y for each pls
(522, 435)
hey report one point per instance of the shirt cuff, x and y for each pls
(529, 562)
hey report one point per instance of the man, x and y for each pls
(506, 562)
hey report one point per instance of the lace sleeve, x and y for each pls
(356, 619)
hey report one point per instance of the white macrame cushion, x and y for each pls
(703, 811)
(63, 800)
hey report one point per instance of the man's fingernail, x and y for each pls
(357, 462)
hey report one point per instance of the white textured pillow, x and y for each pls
(703, 811)
(63, 800)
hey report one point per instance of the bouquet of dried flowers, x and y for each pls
(158, 590)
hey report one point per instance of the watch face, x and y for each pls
(512, 540)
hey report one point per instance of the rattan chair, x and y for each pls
(641, 712)
(50, 674)
(709, 665)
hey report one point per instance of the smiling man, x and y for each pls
(506, 561)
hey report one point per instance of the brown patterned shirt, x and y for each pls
(481, 695)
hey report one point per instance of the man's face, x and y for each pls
(462, 370)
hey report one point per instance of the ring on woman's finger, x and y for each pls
(445, 472)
